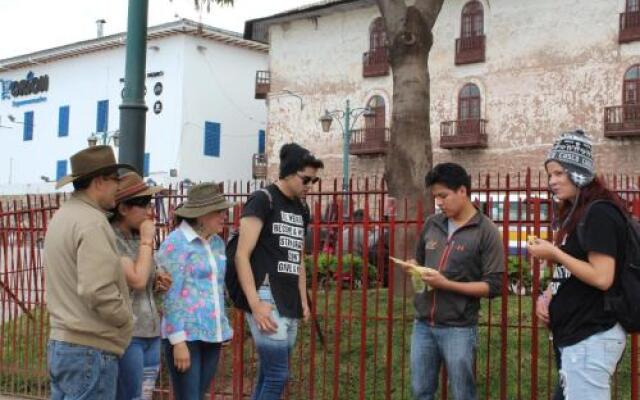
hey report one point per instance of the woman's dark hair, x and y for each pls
(451, 175)
(596, 190)
(114, 214)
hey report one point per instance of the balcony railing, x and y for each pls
(263, 84)
(470, 49)
(622, 121)
(466, 133)
(259, 166)
(369, 141)
(375, 63)
(629, 27)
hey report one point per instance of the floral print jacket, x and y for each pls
(194, 305)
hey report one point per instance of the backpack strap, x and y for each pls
(269, 196)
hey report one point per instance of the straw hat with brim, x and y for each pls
(132, 186)
(91, 162)
(203, 199)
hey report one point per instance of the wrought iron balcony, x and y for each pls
(466, 133)
(375, 63)
(470, 49)
(263, 84)
(369, 141)
(622, 121)
(259, 166)
(629, 27)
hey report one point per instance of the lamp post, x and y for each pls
(104, 138)
(349, 116)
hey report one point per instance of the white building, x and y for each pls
(507, 76)
(203, 122)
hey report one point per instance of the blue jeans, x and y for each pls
(81, 372)
(194, 382)
(587, 366)
(273, 351)
(139, 368)
(430, 346)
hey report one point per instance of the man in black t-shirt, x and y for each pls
(269, 262)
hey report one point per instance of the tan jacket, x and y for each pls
(86, 291)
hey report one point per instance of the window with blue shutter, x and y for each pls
(261, 141)
(61, 169)
(27, 127)
(102, 116)
(63, 121)
(212, 139)
(145, 165)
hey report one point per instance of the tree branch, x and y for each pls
(429, 10)
(393, 12)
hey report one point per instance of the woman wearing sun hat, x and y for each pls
(194, 324)
(133, 225)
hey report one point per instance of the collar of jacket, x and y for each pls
(83, 197)
(440, 220)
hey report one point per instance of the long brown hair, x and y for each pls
(596, 190)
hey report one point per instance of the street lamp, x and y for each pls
(350, 116)
(104, 138)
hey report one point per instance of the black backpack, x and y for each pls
(623, 298)
(234, 289)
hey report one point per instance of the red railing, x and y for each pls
(369, 141)
(629, 27)
(622, 121)
(463, 133)
(375, 62)
(263, 84)
(361, 347)
(470, 49)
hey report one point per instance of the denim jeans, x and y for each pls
(194, 382)
(587, 366)
(433, 345)
(273, 351)
(139, 368)
(81, 372)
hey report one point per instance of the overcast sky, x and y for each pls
(32, 25)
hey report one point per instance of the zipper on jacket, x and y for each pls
(441, 265)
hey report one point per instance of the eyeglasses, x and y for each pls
(144, 201)
(308, 179)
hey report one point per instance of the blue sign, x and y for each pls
(30, 85)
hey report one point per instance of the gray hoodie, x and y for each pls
(474, 253)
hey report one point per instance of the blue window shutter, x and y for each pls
(261, 141)
(61, 169)
(212, 139)
(145, 166)
(27, 133)
(63, 121)
(102, 116)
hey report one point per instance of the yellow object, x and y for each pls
(415, 271)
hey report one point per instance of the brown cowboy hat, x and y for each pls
(203, 199)
(91, 162)
(131, 186)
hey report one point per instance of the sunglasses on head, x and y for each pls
(143, 201)
(306, 179)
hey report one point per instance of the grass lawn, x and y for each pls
(335, 367)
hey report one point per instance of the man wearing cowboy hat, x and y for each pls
(86, 292)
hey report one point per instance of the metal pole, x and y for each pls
(133, 109)
(346, 139)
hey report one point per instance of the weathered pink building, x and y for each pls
(507, 76)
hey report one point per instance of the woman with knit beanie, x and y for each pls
(589, 340)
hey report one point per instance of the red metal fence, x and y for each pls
(361, 349)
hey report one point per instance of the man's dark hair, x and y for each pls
(451, 175)
(294, 158)
(84, 182)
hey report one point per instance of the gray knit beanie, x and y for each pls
(573, 151)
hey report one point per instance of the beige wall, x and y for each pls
(550, 66)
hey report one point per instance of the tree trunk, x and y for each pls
(410, 154)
